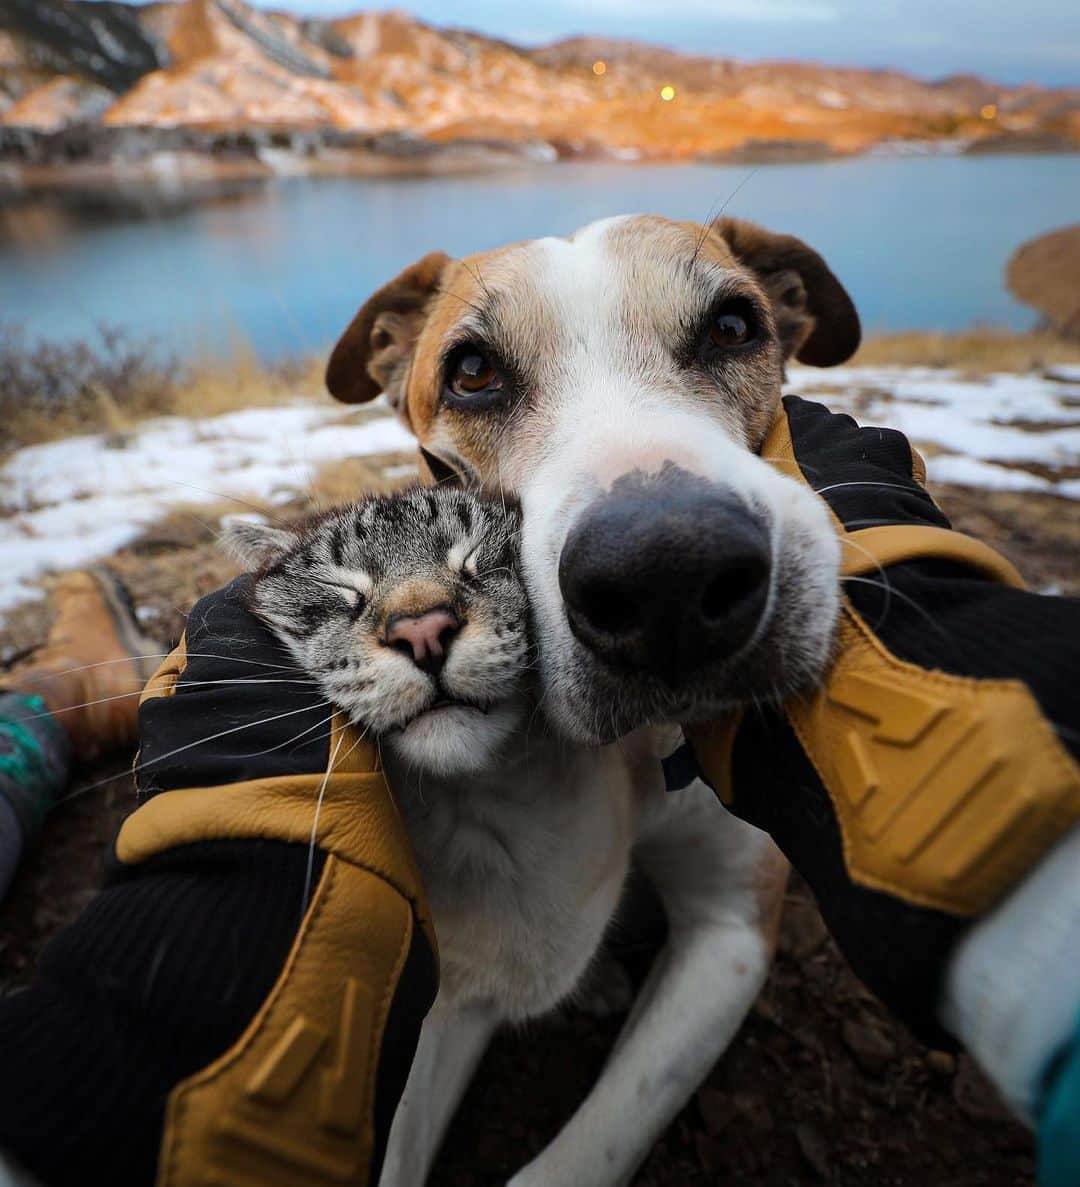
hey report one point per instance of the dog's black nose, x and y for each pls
(665, 575)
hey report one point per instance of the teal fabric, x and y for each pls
(1058, 1139)
(35, 758)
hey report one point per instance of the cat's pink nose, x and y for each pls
(425, 637)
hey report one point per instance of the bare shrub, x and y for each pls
(109, 382)
(51, 388)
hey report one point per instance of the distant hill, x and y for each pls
(219, 68)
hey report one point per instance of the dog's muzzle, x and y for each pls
(666, 576)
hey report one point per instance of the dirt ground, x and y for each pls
(818, 1087)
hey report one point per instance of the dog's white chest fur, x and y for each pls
(523, 870)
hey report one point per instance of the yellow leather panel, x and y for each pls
(868, 550)
(711, 743)
(358, 821)
(163, 681)
(947, 790)
(291, 1104)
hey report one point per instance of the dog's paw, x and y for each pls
(606, 989)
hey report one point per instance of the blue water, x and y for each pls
(921, 243)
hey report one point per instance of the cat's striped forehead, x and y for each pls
(421, 528)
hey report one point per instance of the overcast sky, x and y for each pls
(1009, 40)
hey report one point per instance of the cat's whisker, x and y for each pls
(361, 737)
(315, 826)
(295, 738)
(126, 659)
(138, 768)
(137, 692)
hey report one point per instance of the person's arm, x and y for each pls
(242, 1001)
(929, 792)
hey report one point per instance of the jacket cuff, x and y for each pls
(1012, 987)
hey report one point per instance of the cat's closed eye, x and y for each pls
(353, 598)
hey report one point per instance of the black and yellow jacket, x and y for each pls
(238, 1006)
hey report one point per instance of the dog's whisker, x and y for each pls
(463, 300)
(711, 220)
(887, 585)
(219, 494)
(474, 271)
(881, 485)
(908, 600)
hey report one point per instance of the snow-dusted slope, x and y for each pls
(227, 64)
(75, 501)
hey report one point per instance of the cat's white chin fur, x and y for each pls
(456, 739)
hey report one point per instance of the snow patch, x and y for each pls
(969, 428)
(72, 502)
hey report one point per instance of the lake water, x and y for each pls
(920, 242)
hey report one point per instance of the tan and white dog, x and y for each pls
(620, 382)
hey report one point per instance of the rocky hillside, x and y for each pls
(220, 67)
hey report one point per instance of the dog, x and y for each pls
(620, 382)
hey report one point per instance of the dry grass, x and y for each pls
(978, 351)
(346, 479)
(213, 386)
(111, 382)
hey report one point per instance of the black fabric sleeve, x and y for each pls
(241, 709)
(935, 613)
(159, 975)
(164, 970)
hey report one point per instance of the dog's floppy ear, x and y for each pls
(815, 317)
(373, 354)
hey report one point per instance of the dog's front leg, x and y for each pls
(721, 883)
(452, 1042)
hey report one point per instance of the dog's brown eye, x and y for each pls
(472, 372)
(473, 381)
(733, 326)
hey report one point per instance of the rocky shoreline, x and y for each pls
(91, 153)
(95, 154)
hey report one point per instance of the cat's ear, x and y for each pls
(255, 544)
